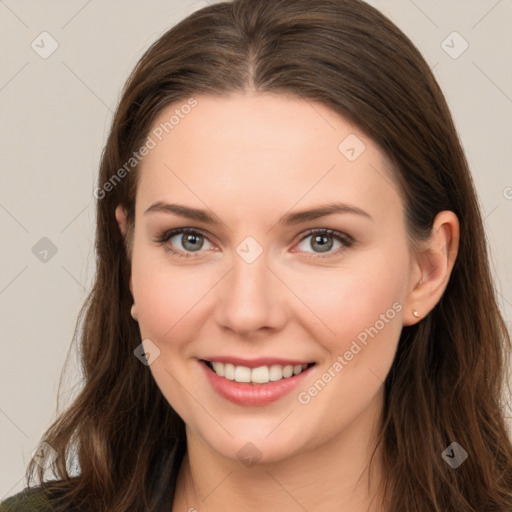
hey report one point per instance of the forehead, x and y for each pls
(267, 151)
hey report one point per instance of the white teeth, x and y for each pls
(276, 372)
(287, 371)
(242, 374)
(260, 375)
(229, 371)
(219, 369)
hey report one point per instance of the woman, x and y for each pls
(293, 308)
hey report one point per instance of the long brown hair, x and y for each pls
(448, 378)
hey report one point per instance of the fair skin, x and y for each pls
(248, 160)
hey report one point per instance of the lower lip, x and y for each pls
(243, 393)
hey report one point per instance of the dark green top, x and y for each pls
(29, 500)
(36, 499)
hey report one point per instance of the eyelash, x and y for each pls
(345, 239)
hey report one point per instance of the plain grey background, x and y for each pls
(56, 111)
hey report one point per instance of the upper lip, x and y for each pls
(255, 363)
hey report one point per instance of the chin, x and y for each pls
(254, 443)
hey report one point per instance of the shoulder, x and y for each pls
(31, 499)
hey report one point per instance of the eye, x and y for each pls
(183, 240)
(324, 240)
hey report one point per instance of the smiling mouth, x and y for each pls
(260, 375)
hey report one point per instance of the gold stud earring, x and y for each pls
(415, 314)
(133, 312)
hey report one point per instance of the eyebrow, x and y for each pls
(287, 219)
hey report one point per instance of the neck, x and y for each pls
(334, 475)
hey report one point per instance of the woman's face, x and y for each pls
(252, 289)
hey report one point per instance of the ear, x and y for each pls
(121, 222)
(433, 265)
(121, 219)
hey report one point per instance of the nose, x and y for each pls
(250, 299)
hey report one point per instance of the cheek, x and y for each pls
(169, 302)
(363, 310)
(166, 294)
(346, 302)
